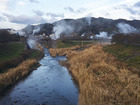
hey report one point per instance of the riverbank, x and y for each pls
(129, 54)
(102, 78)
(14, 74)
(21, 63)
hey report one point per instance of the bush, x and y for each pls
(126, 39)
(15, 61)
(4, 36)
(14, 37)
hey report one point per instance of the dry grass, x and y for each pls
(102, 79)
(14, 74)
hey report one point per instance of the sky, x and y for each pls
(19, 13)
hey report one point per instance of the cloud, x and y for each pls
(132, 17)
(34, 1)
(70, 9)
(3, 5)
(23, 19)
(38, 12)
(55, 15)
(21, 3)
(131, 9)
(2, 19)
(137, 4)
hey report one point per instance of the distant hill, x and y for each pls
(85, 25)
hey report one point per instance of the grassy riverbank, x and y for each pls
(14, 74)
(16, 63)
(11, 50)
(102, 78)
(126, 53)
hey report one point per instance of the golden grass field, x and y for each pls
(13, 75)
(102, 79)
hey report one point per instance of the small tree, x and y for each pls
(14, 37)
(4, 36)
(126, 38)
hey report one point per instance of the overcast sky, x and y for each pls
(18, 13)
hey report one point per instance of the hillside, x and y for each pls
(84, 25)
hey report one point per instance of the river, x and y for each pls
(50, 84)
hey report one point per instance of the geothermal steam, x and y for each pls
(88, 20)
(123, 28)
(31, 43)
(31, 38)
(65, 28)
(103, 35)
(126, 28)
(36, 30)
(62, 27)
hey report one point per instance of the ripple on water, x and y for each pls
(50, 84)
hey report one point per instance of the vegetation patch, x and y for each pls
(129, 54)
(10, 50)
(15, 74)
(19, 58)
(68, 43)
(16, 62)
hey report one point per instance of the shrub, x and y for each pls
(126, 38)
(4, 36)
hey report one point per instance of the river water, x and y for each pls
(50, 84)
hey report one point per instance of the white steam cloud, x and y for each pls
(88, 20)
(62, 27)
(103, 35)
(32, 40)
(31, 43)
(36, 30)
(126, 28)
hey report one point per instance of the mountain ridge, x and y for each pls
(82, 25)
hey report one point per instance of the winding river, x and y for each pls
(50, 84)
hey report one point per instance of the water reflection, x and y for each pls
(50, 84)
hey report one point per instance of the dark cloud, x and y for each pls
(55, 15)
(70, 9)
(34, 1)
(137, 4)
(22, 19)
(130, 9)
(37, 12)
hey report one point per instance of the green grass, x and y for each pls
(10, 50)
(65, 44)
(126, 53)
(36, 54)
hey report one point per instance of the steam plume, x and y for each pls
(88, 20)
(31, 43)
(126, 28)
(36, 30)
(62, 27)
(103, 35)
